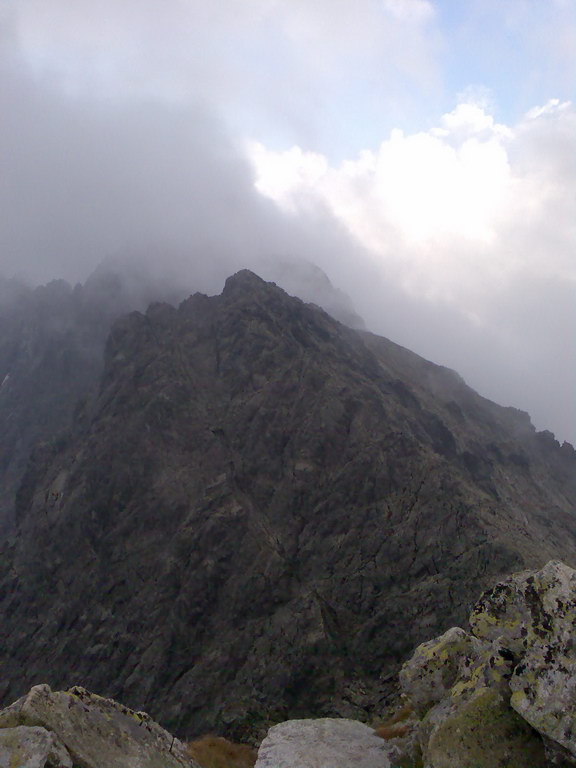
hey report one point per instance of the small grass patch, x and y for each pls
(218, 752)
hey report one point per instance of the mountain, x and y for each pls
(52, 343)
(260, 512)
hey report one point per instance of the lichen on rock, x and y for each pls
(32, 747)
(429, 675)
(484, 732)
(96, 732)
(505, 694)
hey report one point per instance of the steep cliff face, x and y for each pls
(52, 343)
(262, 512)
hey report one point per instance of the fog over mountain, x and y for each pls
(195, 142)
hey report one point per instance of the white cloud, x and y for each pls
(477, 222)
(419, 11)
(470, 118)
(552, 107)
(290, 65)
(447, 207)
(464, 231)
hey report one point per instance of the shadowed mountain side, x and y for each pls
(52, 343)
(262, 512)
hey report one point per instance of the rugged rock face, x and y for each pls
(52, 349)
(51, 356)
(504, 694)
(260, 514)
(32, 747)
(62, 729)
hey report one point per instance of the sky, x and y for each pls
(421, 153)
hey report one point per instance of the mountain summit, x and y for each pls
(261, 512)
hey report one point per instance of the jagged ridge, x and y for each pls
(262, 512)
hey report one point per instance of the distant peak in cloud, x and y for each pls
(473, 217)
(124, 128)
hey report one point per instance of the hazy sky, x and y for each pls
(422, 153)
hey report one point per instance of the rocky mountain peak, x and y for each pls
(259, 510)
(245, 280)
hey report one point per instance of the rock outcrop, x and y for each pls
(32, 747)
(499, 696)
(323, 742)
(260, 512)
(61, 729)
(505, 693)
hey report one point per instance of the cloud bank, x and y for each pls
(160, 131)
(474, 221)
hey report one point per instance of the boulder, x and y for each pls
(32, 747)
(527, 608)
(543, 684)
(484, 732)
(427, 677)
(96, 732)
(505, 693)
(487, 665)
(321, 743)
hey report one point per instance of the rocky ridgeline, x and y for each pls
(255, 511)
(502, 695)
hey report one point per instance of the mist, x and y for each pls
(124, 148)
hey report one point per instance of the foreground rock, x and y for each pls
(322, 743)
(504, 694)
(537, 614)
(47, 729)
(32, 747)
(482, 731)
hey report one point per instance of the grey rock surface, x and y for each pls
(323, 743)
(505, 694)
(535, 613)
(32, 747)
(484, 732)
(428, 676)
(261, 512)
(96, 732)
(52, 341)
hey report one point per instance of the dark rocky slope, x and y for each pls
(262, 512)
(50, 356)
(52, 342)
